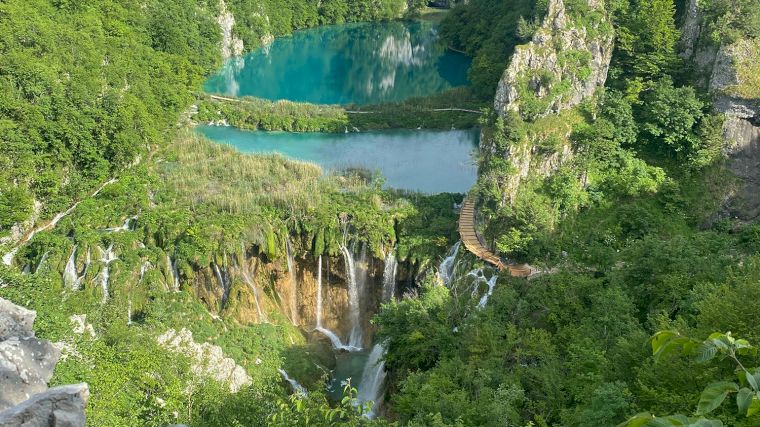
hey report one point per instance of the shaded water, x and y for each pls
(346, 64)
(426, 161)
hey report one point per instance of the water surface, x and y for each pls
(419, 160)
(346, 64)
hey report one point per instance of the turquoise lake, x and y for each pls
(347, 64)
(418, 160)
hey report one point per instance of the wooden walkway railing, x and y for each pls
(473, 244)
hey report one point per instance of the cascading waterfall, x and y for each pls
(334, 340)
(123, 227)
(171, 269)
(479, 277)
(255, 291)
(373, 379)
(294, 385)
(42, 261)
(448, 266)
(293, 284)
(129, 311)
(355, 337)
(107, 257)
(389, 276)
(223, 282)
(70, 271)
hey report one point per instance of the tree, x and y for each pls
(724, 347)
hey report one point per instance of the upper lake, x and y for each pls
(418, 160)
(346, 64)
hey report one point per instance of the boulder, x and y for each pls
(58, 407)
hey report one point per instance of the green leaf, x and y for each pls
(713, 395)
(707, 350)
(744, 399)
(704, 422)
(754, 407)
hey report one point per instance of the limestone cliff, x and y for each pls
(231, 44)
(729, 72)
(565, 62)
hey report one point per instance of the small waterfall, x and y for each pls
(107, 257)
(129, 311)
(143, 269)
(319, 291)
(447, 267)
(293, 284)
(355, 338)
(42, 261)
(171, 270)
(255, 291)
(297, 388)
(491, 284)
(335, 341)
(373, 379)
(123, 227)
(70, 278)
(389, 276)
(223, 283)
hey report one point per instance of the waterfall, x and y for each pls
(373, 378)
(297, 388)
(42, 261)
(491, 284)
(222, 282)
(319, 291)
(143, 269)
(355, 338)
(129, 311)
(123, 227)
(70, 278)
(389, 276)
(447, 267)
(293, 284)
(171, 271)
(255, 291)
(107, 257)
(335, 341)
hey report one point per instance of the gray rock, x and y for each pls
(26, 365)
(543, 56)
(744, 161)
(15, 321)
(58, 407)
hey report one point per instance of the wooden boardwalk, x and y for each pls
(473, 244)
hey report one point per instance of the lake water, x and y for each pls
(419, 160)
(347, 64)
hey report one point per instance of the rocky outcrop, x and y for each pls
(26, 365)
(58, 407)
(231, 44)
(207, 360)
(565, 62)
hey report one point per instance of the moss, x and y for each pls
(747, 63)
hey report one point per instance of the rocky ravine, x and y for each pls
(26, 365)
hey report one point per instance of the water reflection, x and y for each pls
(353, 63)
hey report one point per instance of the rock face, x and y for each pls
(723, 71)
(231, 44)
(58, 407)
(562, 65)
(208, 360)
(26, 365)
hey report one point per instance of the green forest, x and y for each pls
(112, 206)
